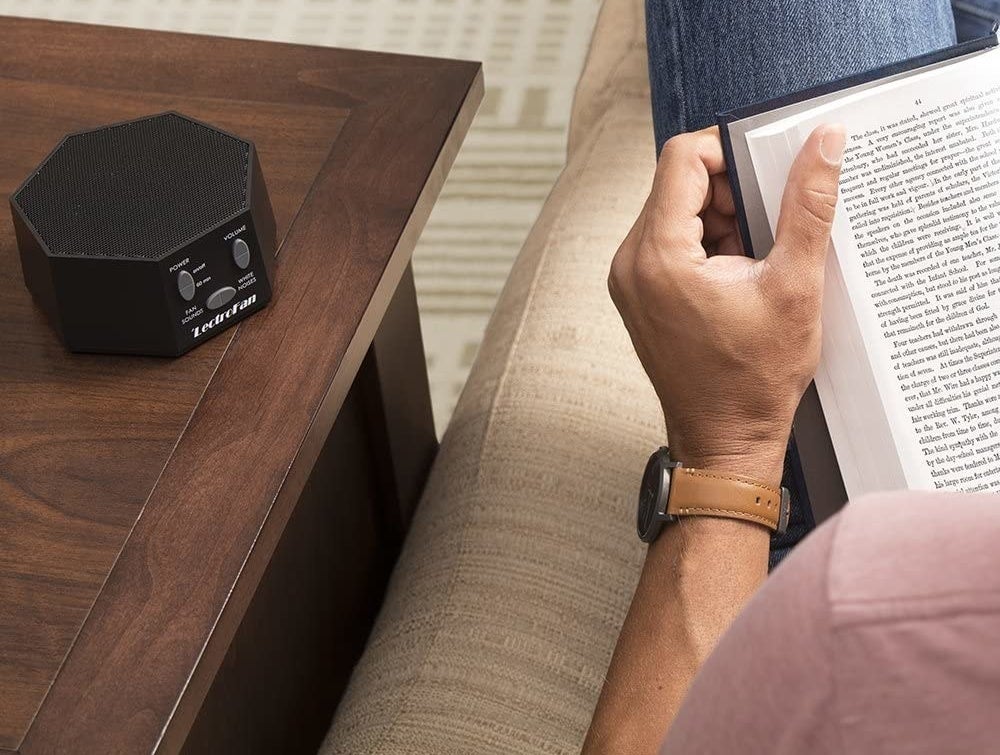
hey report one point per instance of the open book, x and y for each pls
(909, 382)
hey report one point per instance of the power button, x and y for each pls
(185, 285)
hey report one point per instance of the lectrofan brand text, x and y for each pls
(223, 316)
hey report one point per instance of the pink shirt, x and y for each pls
(880, 633)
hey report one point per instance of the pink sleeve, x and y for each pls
(878, 634)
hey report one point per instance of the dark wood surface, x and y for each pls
(292, 655)
(142, 499)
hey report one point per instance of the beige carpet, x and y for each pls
(533, 51)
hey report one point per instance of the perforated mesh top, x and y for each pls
(136, 190)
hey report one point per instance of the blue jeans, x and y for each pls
(707, 56)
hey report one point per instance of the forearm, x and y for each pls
(696, 578)
(729, 344)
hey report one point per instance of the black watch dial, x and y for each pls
(652, 506)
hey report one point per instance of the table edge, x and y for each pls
(235, 607)
(318, 49)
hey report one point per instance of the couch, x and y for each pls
(504, 607)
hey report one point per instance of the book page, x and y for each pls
(917, 242)
(845, 378)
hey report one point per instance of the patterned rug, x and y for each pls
(532, 51)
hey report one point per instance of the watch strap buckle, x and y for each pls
(784, 511)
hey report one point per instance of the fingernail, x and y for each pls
(832, 142)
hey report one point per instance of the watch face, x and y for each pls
(649, 496)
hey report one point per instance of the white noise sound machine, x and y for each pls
(146, 237)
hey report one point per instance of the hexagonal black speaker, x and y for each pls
(146, 237)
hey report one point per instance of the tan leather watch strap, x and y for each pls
(697, 492)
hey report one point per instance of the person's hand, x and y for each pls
(730, 343)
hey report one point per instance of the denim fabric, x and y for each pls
(707, 56)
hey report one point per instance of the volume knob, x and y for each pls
(241, 254)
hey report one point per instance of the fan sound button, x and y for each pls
(221, 298)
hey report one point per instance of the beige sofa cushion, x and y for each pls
(507, 599)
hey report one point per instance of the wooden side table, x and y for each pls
(192, 550)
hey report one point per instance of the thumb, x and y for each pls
(808, 205)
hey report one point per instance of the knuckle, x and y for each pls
(616, 278)
(613, 291)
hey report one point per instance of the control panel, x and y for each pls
(218, 280)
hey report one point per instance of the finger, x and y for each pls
(681, 190)
(807, 208)
(731, 245)
(717, 225)
(722, 194)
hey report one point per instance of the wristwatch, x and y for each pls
(670, 490)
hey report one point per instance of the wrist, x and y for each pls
(763, 462)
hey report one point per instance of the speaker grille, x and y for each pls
(136, 190)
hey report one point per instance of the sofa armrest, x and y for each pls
(615, 69)
(503, 610)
